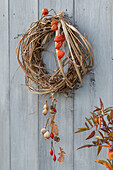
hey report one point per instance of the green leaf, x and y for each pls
(82, 130)
(109, 161)
(99, 148)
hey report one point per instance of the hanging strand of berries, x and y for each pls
(54, 135)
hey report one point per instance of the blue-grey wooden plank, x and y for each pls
(95, 19)
(24, 123)
(4, 87)
(64, 116)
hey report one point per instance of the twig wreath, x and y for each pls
(79, 59)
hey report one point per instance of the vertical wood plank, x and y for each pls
(24, 123)
(94, 19)
(4, 87)
(64, 115)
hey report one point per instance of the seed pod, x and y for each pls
(47, 135)
(51, 111)
(59, 38)
(51, 107)
(46, 106)
(54, 22)
(56, 138)
(43, 131)
(60, 54)
(58, 45)
(44, 112)
(44, 11)
(54, 27)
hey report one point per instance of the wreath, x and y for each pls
(73, 59)
(31, 48)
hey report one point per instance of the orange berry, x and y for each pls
(110, 154)
(54, 27)
(60, 54)
(54, 22)
(58, 45)
(59, 38)
(44, 11)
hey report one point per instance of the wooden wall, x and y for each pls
(21, 145)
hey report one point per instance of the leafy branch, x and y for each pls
(100, 122)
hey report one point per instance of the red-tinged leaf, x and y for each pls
(99, 119)
(104, 130)
(96, 110)
(111, 114)
(96, 122)
(108, 118)
(105, 146)
(85, 146)
(104, 163)
(111, 134)
(99, 148)
(108, 166)
(101, 134)
(101, 104)
(89, 121)
(108, 143)
(107, 109)
(104, 123)
(81, 130)
(86, 125)
(91, 135)
(101, 161)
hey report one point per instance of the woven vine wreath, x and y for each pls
(73, 59)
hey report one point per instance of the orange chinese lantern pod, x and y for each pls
(54, 27)
(60, 54)
(44, 11)
(54, 22)
(59, 38)
(110, 154)
(58, 45)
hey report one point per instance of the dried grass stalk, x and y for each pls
(79, 60)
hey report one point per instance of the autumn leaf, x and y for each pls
(105, 163)
(99, 119)
(61, 157)
(99, 148)
(98, 109)
(85, 146)
(111, 114)
(89, 121)
(82, 130)
(54, 127)
(101, 104)
(91, 135)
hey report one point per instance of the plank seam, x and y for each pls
(9, 84)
